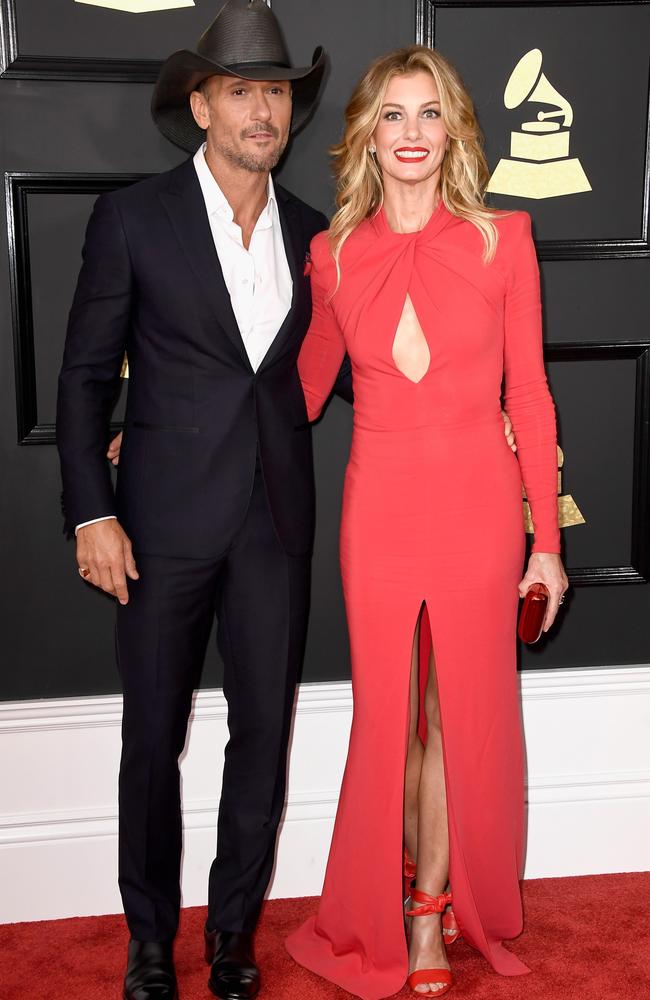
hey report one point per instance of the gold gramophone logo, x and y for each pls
(567, 509)
(539, 165)
(139, 6)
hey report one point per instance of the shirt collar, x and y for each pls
(216, 202)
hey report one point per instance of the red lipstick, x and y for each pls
(411, 154)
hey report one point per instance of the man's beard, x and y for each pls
(260, 164)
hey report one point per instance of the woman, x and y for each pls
(435, 298)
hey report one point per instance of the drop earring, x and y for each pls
(372, 150)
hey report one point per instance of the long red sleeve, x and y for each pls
(528, 401)
(323, 348)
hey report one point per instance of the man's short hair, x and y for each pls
(202, 87)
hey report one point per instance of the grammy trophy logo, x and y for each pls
(539, 165)
(139, 6)
(567, 509)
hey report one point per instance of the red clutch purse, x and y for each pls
(533, 610)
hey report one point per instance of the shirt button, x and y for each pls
(244, 281)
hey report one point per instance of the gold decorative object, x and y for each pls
(568, 511)
(125, 368)
(539, 165)
(139, 6)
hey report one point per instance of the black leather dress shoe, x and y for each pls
(150, 971)
(234, 975)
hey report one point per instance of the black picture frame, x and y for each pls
(638, 569)
(15, 65)
(565, 249)
(18, 186)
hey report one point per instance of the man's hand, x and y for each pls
(113, 452)
(104, 551)
(510, 435)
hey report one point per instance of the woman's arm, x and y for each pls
(528, 401)
(323, 348)
(532, 412)
(343, 383)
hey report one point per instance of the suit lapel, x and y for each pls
(184, 204)
(292, 236)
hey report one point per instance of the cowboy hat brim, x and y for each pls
(184, 71)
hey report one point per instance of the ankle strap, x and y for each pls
(430, 904)
(410, 867)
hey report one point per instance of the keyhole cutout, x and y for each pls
(410, 349)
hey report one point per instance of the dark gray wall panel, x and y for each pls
(595, 300)
(60, 639)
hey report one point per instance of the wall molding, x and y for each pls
(328, 696)
(637, 570)
(106, 710)
(15, 65)
(585, 682)
(588, 788)
(19, 185)
(80, 824)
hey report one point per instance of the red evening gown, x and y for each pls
(433, 515)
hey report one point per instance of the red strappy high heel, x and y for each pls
(409, 870)
(409, 867)
(430, 904)
(450, 929)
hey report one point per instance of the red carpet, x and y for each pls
(585, 938)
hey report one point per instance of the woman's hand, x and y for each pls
(509, 433)
(546, 568)
(113, 453)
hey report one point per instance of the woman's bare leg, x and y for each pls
(414, 756)
(427, 949)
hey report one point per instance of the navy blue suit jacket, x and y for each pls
(196, 414)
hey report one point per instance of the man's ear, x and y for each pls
(199, 107)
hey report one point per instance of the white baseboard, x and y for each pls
(588, 758)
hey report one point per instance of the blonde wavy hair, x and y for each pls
(464, 172)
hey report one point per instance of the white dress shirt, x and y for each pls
(258, 279)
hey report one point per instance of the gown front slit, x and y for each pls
(432, 515)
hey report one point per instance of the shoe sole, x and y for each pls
(232, 996)
(125, 997)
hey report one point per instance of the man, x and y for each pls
(198, 274)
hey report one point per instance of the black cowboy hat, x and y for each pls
(244, 40)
